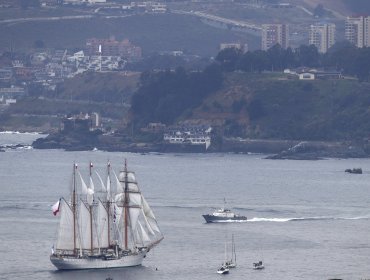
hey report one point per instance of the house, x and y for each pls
(307, 76)
(189, 135)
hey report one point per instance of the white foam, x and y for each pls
(278, 220)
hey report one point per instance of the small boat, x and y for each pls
(223, 269)
(354, 170)
(258, 265)
(232, 262)
(223, 215)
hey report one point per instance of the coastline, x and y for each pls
(272, 148)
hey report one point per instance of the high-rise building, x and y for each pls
(357, 31)
(322, 35)
(273, 34)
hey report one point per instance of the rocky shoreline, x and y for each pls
(277, 149)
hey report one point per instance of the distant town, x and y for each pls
(47, 67)
(287, 39)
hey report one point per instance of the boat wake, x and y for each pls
(17, 132)
(230, 221)
(283, 220)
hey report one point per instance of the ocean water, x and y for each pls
(307, 219)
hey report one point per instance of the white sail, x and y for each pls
(91, 186)
(102, 225)
(130, 177)
(90, 196)
(65, 232)
(153, 225)
(117, 224)
(154, 237)
(103, 188)
(133, 187)
(134, 216)
(84, 226)
(141, 236)
(119, 197)
(119, 188)
(89, 192)
(147, 210)
(135, 199)
(83, 184)
(147, 226)
(150, 216)
(108, 188)
(135, 209)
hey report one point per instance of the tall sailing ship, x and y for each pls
(111, 228)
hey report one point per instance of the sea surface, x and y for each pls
(307, 219)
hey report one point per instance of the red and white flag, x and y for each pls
(55, 207)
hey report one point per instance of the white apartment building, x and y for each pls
(273, 34)
(322, 35)
(357, 31)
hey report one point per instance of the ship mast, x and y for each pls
(108, 203)
(91, 220)
(126, 204)
(74, 208)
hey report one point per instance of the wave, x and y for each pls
(179, 206)
(17, 132)
(283, 220)
(231, 221)
(263, 210)
(16, 147)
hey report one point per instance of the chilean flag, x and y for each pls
(55, 207)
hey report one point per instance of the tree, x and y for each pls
(276, 57)
(308, 56)
(362, 66)
(229, 57)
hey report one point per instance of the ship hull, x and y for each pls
(72, 263)
(216, 219)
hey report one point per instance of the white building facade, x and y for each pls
(322, 36)
(273, 34)
(357, 31)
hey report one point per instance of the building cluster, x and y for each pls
(242, 47)
(82, 122)
(304, 73)
(199, 135)
(321, 34)
(47, 69)
(112, 47)
(9, 95)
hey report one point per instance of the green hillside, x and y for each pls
(274, 107)
(256, 105)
